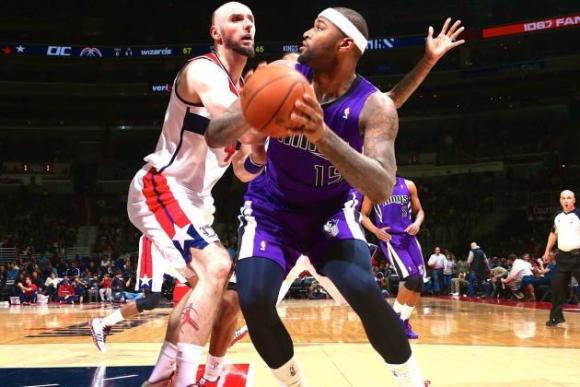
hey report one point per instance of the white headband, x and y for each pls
(346, 26)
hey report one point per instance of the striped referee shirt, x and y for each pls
(567, 228)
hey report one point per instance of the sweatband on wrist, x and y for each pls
(346, 26)
(252, 167)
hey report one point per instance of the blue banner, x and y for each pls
(21, 49)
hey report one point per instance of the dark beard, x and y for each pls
(244, 51)
(304, 58)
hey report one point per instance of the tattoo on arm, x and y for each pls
(226, 128)
(373, 172)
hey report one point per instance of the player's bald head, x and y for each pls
(567, 193)
(221, 14)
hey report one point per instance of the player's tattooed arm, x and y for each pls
(435, 49)
(226, 128)
(373, 172)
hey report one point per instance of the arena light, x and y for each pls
(532, 26)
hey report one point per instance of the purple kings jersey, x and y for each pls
(297, 175)
(396, 212)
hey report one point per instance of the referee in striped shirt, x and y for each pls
(566, 232)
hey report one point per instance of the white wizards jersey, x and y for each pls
(182, 152)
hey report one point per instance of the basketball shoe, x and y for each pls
(239, 334)
(99, 331)
(409, 330)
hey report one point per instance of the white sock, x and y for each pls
(113, 318)
(213, 368)
(289, 375)
(165, 362)
(407, 374)
(406, 312)
(397, 306)
(188, 356)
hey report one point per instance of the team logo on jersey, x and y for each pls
(263, 246)
(346, 113)
(331, 227)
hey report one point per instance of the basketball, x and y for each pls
(268, 98)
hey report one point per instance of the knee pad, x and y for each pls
(150, 302)
(414, 283)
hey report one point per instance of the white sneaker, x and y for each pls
(98, 332)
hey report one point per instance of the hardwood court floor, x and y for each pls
(461, 344)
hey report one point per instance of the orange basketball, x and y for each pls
(268, 98)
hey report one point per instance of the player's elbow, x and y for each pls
(211, 139)
(395, 98)
(381, 194)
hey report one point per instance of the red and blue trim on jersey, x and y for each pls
(145, 264)
(163, 204)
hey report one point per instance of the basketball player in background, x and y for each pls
(396, 230)
(356, 151)
(170, 198)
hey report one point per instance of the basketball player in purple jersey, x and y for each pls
(396, 231)
(304, 202)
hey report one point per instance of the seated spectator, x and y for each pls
(66, 292)
(498, 273)
(128, 295)
(27, 292)
(519, 269)
(80, 287)
(316, 292)
(105, 289)
(37, 281)
(51, 285)
(542, 276)
(461, 279)
(118, 286)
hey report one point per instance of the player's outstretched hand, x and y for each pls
(383, 235)
(309, 118)
(436, 47)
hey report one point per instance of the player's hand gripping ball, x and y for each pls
(268, 98)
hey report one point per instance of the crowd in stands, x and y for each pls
(100, 279)
(525, 277)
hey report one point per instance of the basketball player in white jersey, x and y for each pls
(170, 198)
